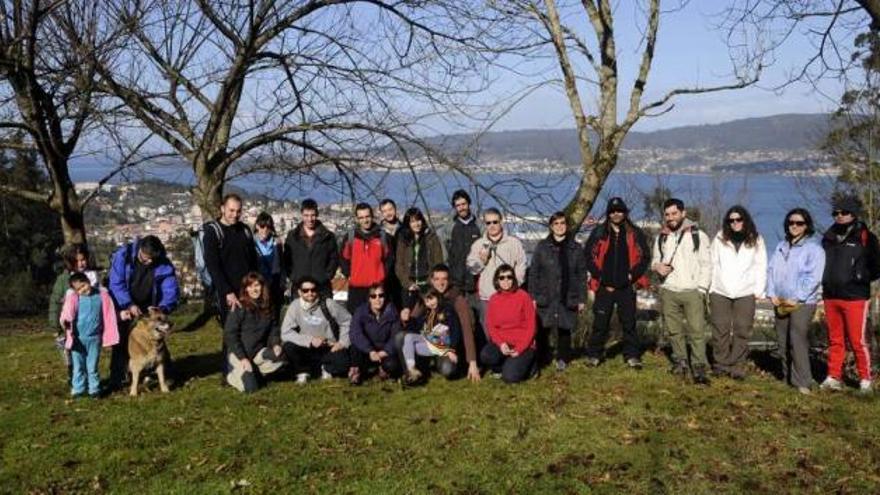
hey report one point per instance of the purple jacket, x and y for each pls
(367, 333)
(165, 290)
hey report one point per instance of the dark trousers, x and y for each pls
(390, 365)
(732, 321)
(561, 350)
(311, 359)
(119, 356)
(357, 296)
(603, 308)
(513, 369)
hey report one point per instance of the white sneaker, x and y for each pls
(831, 383)
(866, 387)
(325, 375)
(302, 378)
(804, 390)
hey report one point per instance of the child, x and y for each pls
(436, 333)
(89, 320)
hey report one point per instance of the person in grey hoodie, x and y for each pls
(314, 334)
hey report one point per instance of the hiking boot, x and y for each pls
(561, 365)
(700, 377)
(302, 378)
(412, 376)
(866, 387)
(679, 369)
(831, 383)
(592, 362)
(634, 363)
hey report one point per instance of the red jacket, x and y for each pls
(599, 250)
(364, 258)
(510, 318)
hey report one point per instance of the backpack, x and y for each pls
(334, 325)
(198, 241)
(695, 240)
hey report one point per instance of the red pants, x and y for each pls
(847, 318)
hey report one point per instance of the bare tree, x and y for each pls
(590, 68)
(47, 101)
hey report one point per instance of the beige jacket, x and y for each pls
(691, 270)
(509, 250)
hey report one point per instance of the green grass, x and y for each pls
(605, 430)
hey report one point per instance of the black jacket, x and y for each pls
(457, 248)
(246, 332)
(319, 260)
(545, 282)
(230, 259)
(851, 264)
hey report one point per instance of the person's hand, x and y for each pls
(246, 364)
(473, 373)
(405, 314)
(608, 288)
(337, 347)
(374, 357)
(316, 342)
(382, 355)
(124, 315)
(663, 269)
(232, 301)
(505, 349)
(484, 255)
(413, 288)
(134, 311)
(453, 357)
(580, 307)
(776, 301)
(513, 354)
(277, 350)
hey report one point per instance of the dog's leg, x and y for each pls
(160, 372)
(135, 377)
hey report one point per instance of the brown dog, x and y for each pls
(147, 349)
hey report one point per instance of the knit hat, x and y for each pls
(847, 202)
(616, 204)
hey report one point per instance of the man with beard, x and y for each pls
(364, 256)
(464, 232)
(681, 258)
(310, 251)
(391, 225)
(852, 261)
(617, 258)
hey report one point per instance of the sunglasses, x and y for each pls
(493, 222)
(796, 223)
(505, 277)
(840, 213)
(735, 220)
(613, 212)
(308, 290)
(378, 295)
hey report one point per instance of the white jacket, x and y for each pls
(690, 270)
(740, 273)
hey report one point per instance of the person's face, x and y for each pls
(309, 292)
(143, 258)
(796, 225)
(559, 227)
(81, 288)
(440, 281)
(617, 216)
(254, 290)
(431, 303)
(673, 217)
(230, 212)
(263, 232)
(736, 222)
(493, 224)
(415, 224)
(364, 219)
(81, 263)
(377, 299)
(505, 280)
(310, 218)
(462, 208)
(843, 217)
(389, 212)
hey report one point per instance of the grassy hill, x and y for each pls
(604, 430)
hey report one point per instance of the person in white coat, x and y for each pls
(739, 278)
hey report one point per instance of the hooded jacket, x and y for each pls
(110, 335)
(364, 255)
(318, 259)
(545, 282)
(850, 264)
(166, 292)
(508, 250)
(304, 321)
(738, 273)
(795, 271)
(691, 270)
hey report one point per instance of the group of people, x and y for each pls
(416, 306)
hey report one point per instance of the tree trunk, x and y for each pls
(208, 193)
(596, 170)
(65, 201)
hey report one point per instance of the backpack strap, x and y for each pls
(334, 325)
(214, 225)
(695, 238)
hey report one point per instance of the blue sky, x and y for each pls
(689, 51)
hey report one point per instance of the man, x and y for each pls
(490, 251)
(440, 282)
(230, 253)
(314, 334)
(141, 277)
(681, 258)
(465, 232)
(617, 258)
(373, 332)
(391, 225)
(852, 262)
(364, 257)
(310, 250)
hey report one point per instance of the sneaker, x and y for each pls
(700, 377)
(561, 365)
(804, 390)
(495, 374)
(866, 387)
(634, 363)
(831, 383)
(325, 375)
(354, 376)
(412, 376)
(383, 375)
(592, 362)
(302, 378)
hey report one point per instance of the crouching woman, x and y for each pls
(510, 323)
(252, 336)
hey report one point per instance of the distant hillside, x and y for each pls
(776, 133)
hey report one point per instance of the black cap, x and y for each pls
(847, 202)
(616, 204)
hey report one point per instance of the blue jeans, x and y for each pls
(84, 355)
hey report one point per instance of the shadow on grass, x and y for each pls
(197, 366)
(198, 322)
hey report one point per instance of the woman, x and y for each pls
(269, 257)
(436, 333)
(793, 280)
(510, 323)
(739, 275)
(252, 336)
(75, 259)
(374, 327)
(558, 282)
(418, 250)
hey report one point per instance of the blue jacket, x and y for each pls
(166, 293)
(795, 272)
(368, 333)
